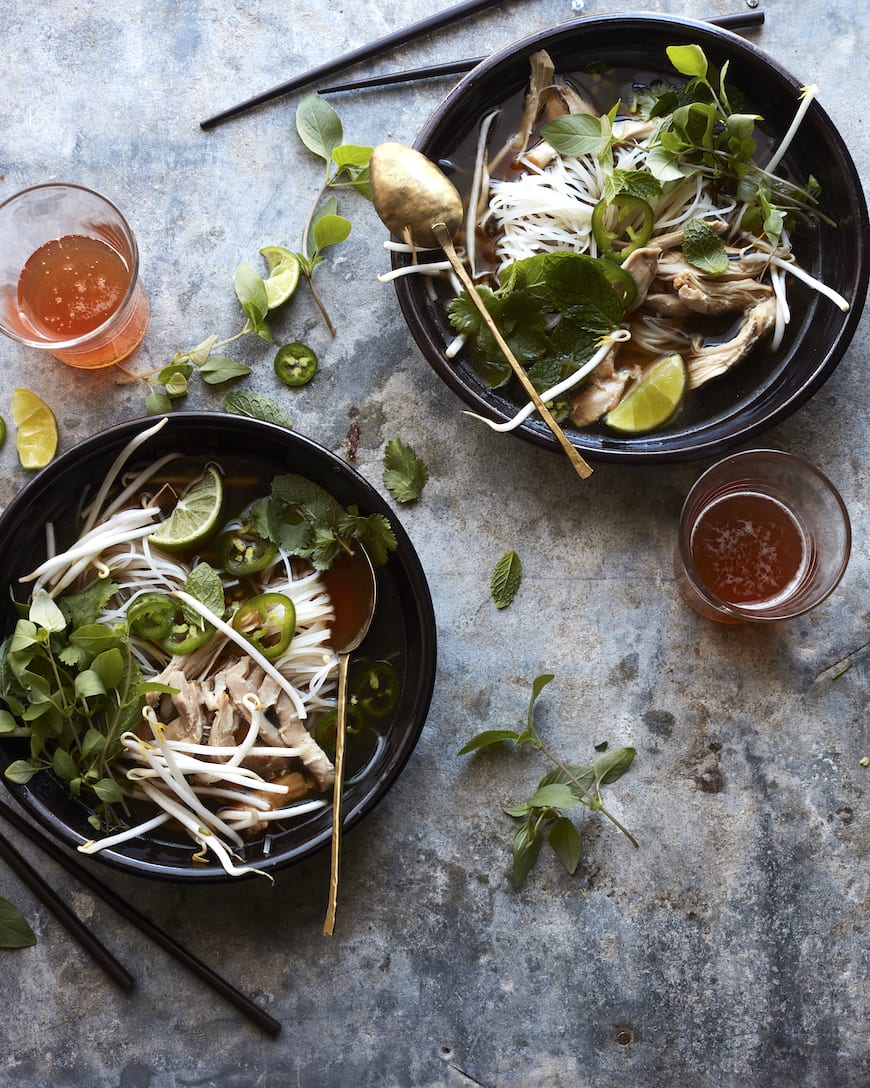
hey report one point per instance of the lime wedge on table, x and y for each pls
(196, 515)
(36, 440)
(283, 274)
(654, 399)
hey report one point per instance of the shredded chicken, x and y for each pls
(602, 392)
(712, 360)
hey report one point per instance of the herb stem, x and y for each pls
(594, 800)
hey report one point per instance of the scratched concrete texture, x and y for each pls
(730, 948)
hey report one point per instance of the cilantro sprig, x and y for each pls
(542, 817)
(405, 474)
(308, 522)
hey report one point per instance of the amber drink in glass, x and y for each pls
(764, 535)
(69, 276)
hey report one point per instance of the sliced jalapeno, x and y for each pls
(626, 220)
(241, 551)
(325, 728)
(151, 615)
(268, 622)
(295, 364)
(187, 634)
(375, 689)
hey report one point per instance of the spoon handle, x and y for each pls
(444, 240)
(337, 789)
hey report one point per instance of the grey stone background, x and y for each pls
(730, 949)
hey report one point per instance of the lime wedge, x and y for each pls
(654, 399)
(196, 515)
(36, 440)
(283, 274)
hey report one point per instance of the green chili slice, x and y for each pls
(295, 364)
(375, 689)
(187, 634)
(626, 221)
(151, 615)
(241, 551)
(268, 622)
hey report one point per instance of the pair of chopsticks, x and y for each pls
(740, 21)
(116, 971)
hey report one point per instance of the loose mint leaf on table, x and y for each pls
(506, 578)
(257, 406)
(404, 473)
(15, 931)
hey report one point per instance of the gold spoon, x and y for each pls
(353, 591)
(420, 204)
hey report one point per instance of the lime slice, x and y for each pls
(196, 515)
(36, 440)
(283, 274)
(654, 399)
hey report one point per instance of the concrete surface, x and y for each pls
(730, 949)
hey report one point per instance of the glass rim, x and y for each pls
(735, 610)
(132, 288)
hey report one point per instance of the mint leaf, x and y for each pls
(505, 580)
(404, 473)
(703, 248)
(257, 406)
(486, 738)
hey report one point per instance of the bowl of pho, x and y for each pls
(666, 226)
(167, 682)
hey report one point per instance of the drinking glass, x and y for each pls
(764, 535)
(69, 275)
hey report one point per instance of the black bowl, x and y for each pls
(403, 630)
(765, 388)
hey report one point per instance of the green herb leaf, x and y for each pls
(318, 125)
(257, 406)
(703, 248)
(251, 293)
(553, 795)
(15, 932)
(204, 584)
(21, 771)
(689, 60)
(612, 765)
(505, 580)
(45, 613)
(221, 368)
(526, 847)
(329, 230)
(577, 134)
(487, 738)
(404, 473)
(566, 842)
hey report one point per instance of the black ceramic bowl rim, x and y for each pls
(59, 485)
(814, 353)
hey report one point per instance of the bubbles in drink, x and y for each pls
(71, 285)
(747, 548)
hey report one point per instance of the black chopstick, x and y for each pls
(365, 52)
(169, 944)
(65, 915)
(739, 21)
